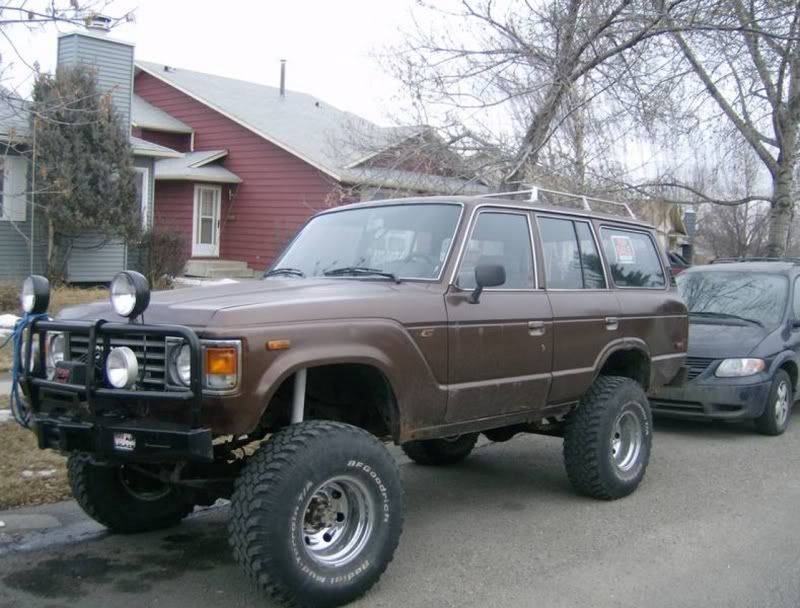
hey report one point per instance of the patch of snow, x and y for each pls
(7, 324)
(189, 282)
(5, 416)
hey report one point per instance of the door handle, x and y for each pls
(536, 328)
(612, 323)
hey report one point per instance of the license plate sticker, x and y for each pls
(124, 442)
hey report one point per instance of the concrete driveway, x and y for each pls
(716, 523)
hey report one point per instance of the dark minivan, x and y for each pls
(744, 339)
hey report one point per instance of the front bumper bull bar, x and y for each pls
(128, 438)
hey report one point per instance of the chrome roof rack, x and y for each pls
(536, 195)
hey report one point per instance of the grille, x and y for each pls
(697, 365)
(150, 353)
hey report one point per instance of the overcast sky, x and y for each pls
(328, 45)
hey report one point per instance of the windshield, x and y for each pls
(753, 296)
(407, 241)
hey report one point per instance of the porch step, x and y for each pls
(218, 269)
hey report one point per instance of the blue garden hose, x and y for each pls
(19, 409)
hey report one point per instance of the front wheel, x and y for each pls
(125, 498)
(608, 439)
(778, 408)
(317, 514)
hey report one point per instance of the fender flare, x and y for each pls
(624, 344)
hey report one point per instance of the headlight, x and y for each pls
(122, 368)
(181, 365)
(736, 368)
(56, 351)
(130, 293)
(35, 296)
(221, 364)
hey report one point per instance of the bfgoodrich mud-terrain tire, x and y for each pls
(317, 513)
(123, 499)
(608, 439)
(778, 408)
(441, 451)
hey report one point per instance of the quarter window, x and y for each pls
(796, 300)
(571, 259)
(504, 239)
(633, 259)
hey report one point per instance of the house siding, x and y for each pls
(174, 209)
(113, 61)
(93, 261)
(279, 191)
(177, 141)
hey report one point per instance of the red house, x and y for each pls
(240, 166)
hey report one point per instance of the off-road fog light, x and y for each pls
(122, 368)
(35, 296)
(222, 367)
(130, 293)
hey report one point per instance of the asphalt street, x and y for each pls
(715, 523)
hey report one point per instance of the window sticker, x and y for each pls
(623, 249)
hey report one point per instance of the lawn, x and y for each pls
(28, 475)
(61, 297)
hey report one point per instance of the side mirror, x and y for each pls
(487, 275)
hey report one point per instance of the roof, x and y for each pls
(326, 137)
(145, 115)
(409, 180)
(147, 148)
(757, 265)
(196, 167)
(476, 201)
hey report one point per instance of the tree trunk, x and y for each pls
(780, 216)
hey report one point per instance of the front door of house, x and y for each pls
(205, 241)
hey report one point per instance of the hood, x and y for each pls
(274, 300)
(718, 340)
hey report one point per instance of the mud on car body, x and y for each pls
(423, 322)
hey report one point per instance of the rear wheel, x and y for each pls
(437, 452)
(608, 439)
(317, 514)
(125, 498)
(778, 408)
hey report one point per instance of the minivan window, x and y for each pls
(750, 296)
(499, 238)
(571, 259)
(796, 302)
(633, 259)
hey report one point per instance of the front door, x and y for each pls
(205, 240)
(500, 349)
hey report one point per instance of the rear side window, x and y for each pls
(633, 259)
(571, 260)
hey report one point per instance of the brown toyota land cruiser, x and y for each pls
(424, 322)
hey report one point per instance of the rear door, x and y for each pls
(585, 310)
(500, 349)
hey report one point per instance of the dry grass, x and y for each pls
(61, 297)
(28, 475)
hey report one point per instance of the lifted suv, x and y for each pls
(424, 322)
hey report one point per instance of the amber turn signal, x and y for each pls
(221, 361)
(278, 344)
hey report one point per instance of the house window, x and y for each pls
(13, 187)
(142, 183)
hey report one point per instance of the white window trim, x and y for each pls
(144, 204)
(15, 195)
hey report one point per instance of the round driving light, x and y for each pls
(130, 293)
(183, 365)
(56, 350)
(35, 296)
(122, 368)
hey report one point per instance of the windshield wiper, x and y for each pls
(725, 315)
(292, 272)
(360, 270)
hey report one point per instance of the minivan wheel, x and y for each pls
(438, 452)
(316, 514)
(608, 439)
(125, 498)
(778, 408)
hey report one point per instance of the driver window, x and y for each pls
(796, 300)
(499, 238)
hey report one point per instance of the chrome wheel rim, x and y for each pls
(337, 521)
(782, 404)
(626, 440)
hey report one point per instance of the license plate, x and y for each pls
(124, 442)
